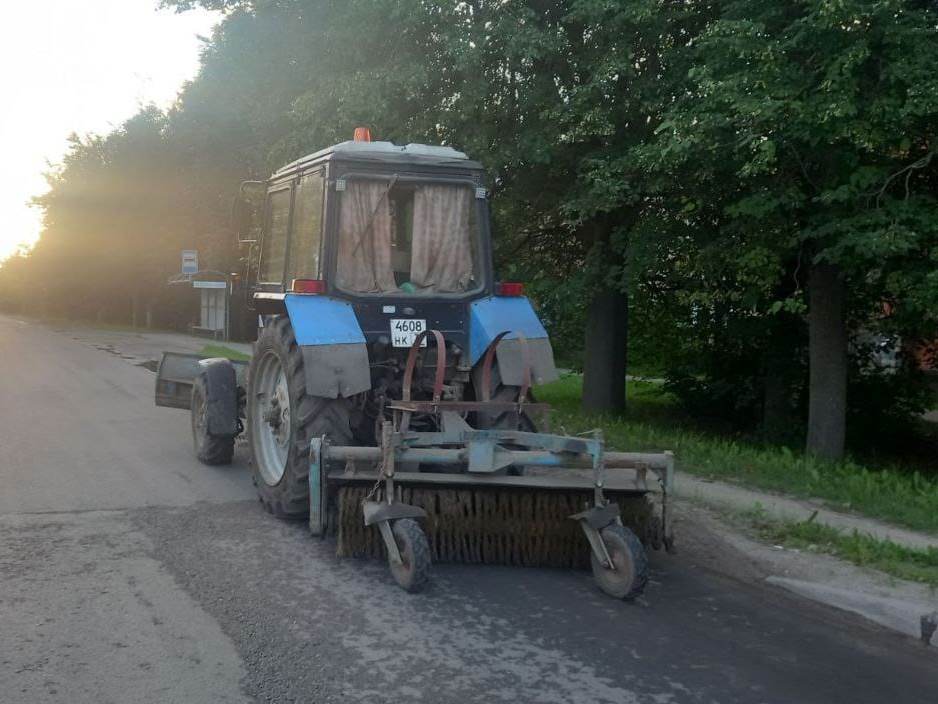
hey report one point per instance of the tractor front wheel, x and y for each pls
(282, 419)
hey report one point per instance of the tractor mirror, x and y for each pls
(247, 211)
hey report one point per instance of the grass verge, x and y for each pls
(912, 564)
(227, 352)
(652, 422)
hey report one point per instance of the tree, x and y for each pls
(549, 95)
(109, 223)
(814, 126)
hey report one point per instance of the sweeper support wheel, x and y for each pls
(411, 568)
(625, 573)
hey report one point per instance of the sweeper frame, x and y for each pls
(460, 457)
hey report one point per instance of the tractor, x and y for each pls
(388, 399)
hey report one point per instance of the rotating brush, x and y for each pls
(502, 526)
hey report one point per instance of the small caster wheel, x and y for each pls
(630, 575)
(414, 571)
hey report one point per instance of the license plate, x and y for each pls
(405, 330)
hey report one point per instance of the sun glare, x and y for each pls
(66, 69)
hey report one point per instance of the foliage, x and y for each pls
(805, 134)
(110, 226)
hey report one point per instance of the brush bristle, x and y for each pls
(522, 527)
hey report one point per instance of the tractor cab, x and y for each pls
(399, 232)
(363, 220)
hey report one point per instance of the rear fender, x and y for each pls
(493, 315)
(335, 356)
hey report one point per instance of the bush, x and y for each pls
(884, 407)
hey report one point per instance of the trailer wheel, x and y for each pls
(414, 572)
(210, 449)
(630, 575)
(282, 419)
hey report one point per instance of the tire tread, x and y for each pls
(312, 416)
(212, 450)
(407, 529)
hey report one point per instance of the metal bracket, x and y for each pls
(381, 513)
(666, 481)
(598, 517)
(592, 521)
(394, 554)
(317, 494)
(597, 545)
(375, 512)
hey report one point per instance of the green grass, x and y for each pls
(222, 351)
(884, 555)
(652, 422)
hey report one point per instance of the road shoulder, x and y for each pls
(730, 546)
(89, 617)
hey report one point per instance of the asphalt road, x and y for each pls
(130, 573)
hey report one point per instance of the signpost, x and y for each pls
(190, 261)
(214, 289)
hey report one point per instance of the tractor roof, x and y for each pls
(385, 152)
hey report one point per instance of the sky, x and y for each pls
(80, 66)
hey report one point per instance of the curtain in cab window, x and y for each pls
(307, 228)
(365, 238)
(442, 238)
(275, 239)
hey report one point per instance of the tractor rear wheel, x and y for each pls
(282, 419)
(503, 393)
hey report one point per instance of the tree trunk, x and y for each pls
(604, 358)
(827, 348)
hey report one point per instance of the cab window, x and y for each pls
(408, 237)
(274, 247)
(303, 262)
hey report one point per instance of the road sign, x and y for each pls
(190, 261)
(209, 284)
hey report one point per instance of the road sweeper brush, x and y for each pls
(494, 496)
(388, 395)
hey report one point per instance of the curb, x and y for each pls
(911, 618)
(722, 495)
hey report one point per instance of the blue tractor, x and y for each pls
(388, 397)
